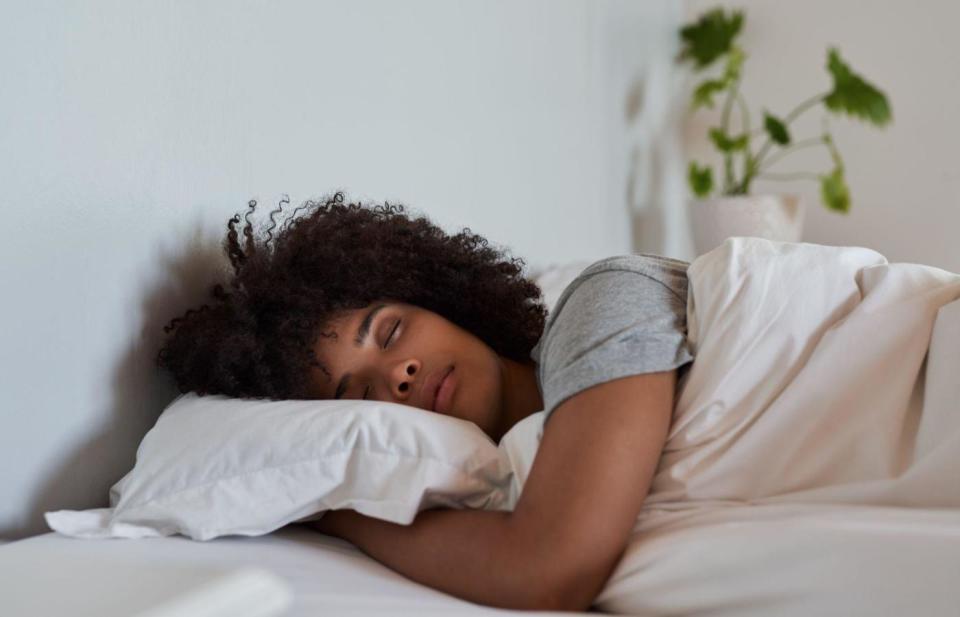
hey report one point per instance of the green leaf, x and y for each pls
(703, 95)
(710, 37)
(776, 129)
(853, 94)
(834, 191)
(726, 143)
(701, 179)
(731, 71)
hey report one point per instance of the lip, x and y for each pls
(439, 384)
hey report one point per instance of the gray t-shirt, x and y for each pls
(623, 315)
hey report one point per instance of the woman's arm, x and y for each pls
(556, 550)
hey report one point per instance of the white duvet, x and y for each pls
(813, 462)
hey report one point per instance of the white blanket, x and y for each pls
(813, 462)
(808, 382)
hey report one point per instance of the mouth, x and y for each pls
(442, 387)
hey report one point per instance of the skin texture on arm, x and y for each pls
(556, 550)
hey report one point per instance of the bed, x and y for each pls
(824, 481)
(312, 574)
(846, 560)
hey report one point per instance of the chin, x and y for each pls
(490, 419)
(481, 399)
(482, 411)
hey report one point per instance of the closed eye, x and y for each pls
(387, 342)
(390, 336)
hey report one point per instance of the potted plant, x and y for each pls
(737, 212)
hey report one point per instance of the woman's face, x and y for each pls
(401, 353)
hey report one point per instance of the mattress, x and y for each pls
(789, 560)
(301, 573)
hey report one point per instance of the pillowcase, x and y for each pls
(215, 466)
(554, 278)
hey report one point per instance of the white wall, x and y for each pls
(132, 131)
(904, 179)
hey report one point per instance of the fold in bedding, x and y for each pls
(813, 463)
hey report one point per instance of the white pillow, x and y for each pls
(214, 466)
(554, 278)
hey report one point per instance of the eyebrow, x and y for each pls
(362, 333)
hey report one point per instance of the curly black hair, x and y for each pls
(256, 338)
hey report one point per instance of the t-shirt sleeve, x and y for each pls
(611, 324)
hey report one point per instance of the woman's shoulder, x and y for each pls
(622, 315)
(643, 263)
(667, 271)
(620, 289)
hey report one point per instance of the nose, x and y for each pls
(403, 378)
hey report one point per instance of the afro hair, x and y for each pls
(255, 338)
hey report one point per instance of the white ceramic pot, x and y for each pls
(776, 217)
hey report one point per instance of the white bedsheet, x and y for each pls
(328, 576)
(813, 462)
(790, 560)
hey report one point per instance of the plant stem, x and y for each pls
(745, 129)
(728, 180)
(744, 114)
(800, 175)
(797, 145)
(790, 117)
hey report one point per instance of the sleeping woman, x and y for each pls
(354, 302)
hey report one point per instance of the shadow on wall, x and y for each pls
(140, 390)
